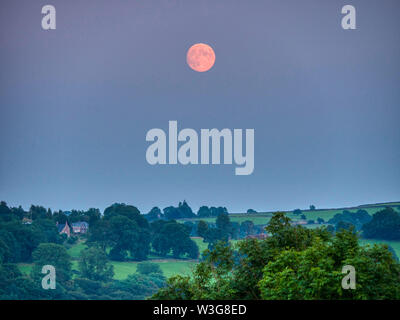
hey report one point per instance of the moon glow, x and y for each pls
(200, 57)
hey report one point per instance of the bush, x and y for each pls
(297, 212)
(147, 268)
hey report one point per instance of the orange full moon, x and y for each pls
(200, 57)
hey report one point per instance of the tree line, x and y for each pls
(184, 211)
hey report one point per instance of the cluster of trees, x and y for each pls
(90, 216)
(205, 211)
(224, 230)
(94, 279)
(183, 211)
(294, 263)
(124, 231)
(300, 212)
(121, 233)
(248, 228)
(320, 220)
(170, 236)
(347, 219)
(18, 240)
(297, 212)
(384, 224)
(127, 234)
(251, 211)
(8, 214)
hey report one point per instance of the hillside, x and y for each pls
(262, 218)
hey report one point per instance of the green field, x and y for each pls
(76, 249)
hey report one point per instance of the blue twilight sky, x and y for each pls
(76, 103)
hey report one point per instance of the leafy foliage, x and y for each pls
(170, 236)
(123, 229)
(205, 212)
(55, 255)
(182, 211)
(385, 224)
(294, 263)
(94, 265)
(358, 219)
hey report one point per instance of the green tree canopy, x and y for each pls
(202, 228)
(385, 224)
(94, 265)
(294, 263)
(175, 237)
(55, 255)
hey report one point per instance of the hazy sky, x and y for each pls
(76, 102)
